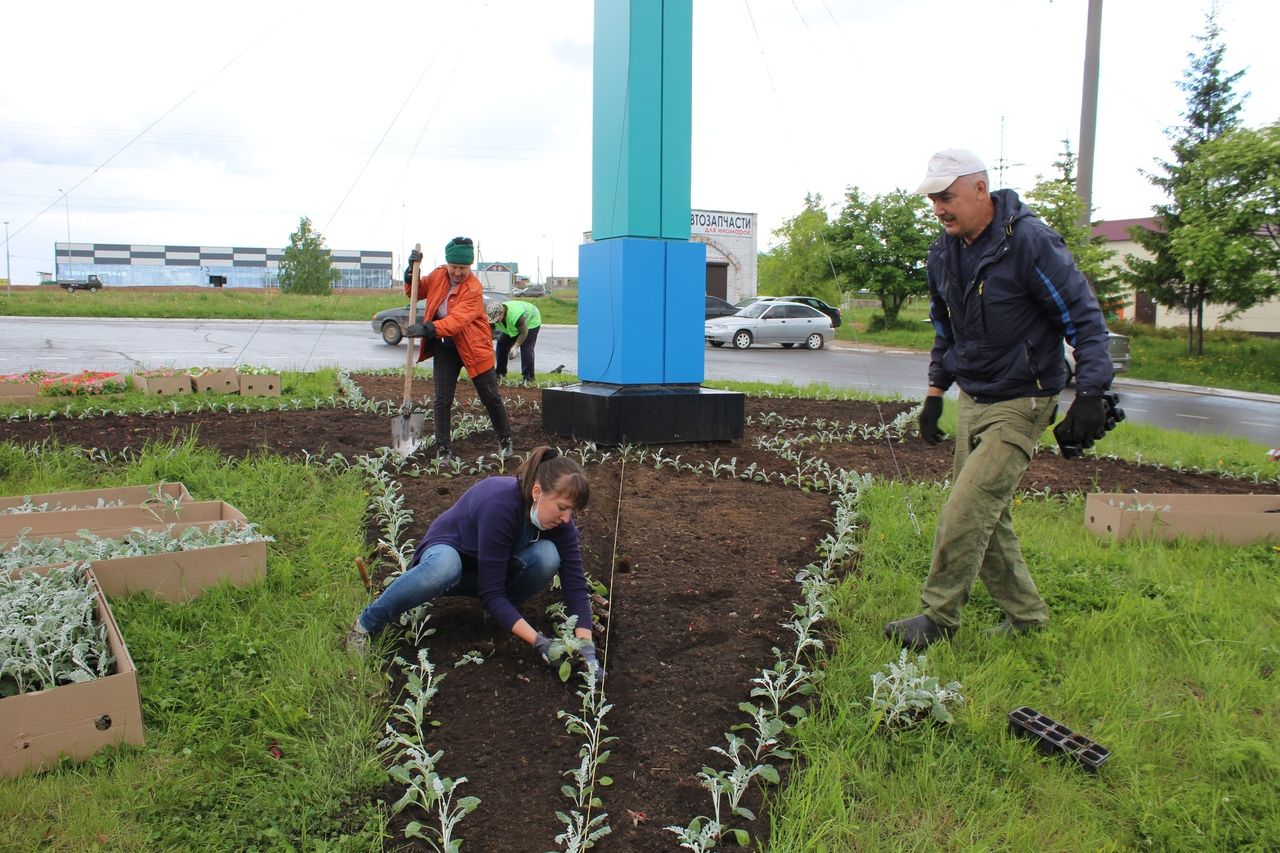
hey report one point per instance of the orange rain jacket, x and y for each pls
(466, 321)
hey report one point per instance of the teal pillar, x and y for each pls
(642, 121)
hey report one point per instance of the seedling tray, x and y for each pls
(1053, 738)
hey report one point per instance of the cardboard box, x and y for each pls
(88, 498)
(75, 720)
(1233, 519)
(267, 385)
(224, 380)
(177, 575)
(13, 393)
(163, 386)
(114, 522)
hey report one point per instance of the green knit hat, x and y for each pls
(460, 251)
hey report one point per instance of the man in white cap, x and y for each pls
(1004, 294)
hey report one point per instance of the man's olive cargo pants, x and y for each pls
(975, 539)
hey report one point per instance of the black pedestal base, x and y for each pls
(643, 414)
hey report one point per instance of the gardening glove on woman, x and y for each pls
(415, 255)
(421, 330)
(1086, 420)
(542, 646)
(588, 652)
(929, 415)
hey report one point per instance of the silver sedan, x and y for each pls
(786, 323)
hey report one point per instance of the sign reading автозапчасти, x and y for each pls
(712, 222)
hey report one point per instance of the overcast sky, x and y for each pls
(388, 123)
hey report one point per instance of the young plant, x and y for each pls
(582, 828)
(415, 764)
(905, 696)
(49, 633)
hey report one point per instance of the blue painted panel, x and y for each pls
(620, 311)
(686, 287)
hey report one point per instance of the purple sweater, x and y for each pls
(484, 528)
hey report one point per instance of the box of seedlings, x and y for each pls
(67, 684)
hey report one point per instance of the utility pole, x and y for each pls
(1089, 110)
(8, 274)
(55, 260)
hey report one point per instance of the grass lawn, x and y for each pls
(1164, 653)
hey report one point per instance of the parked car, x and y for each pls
(530, 290)
(390, 323)
(717, 307)
(1117, 346)
(770, 322)
(814, 302)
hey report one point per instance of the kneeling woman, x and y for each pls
(501, 542)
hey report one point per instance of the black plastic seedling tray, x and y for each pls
(1053, 738)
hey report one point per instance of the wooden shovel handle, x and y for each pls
(408, 356)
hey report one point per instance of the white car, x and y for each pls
(1117, 347)
(786, 323)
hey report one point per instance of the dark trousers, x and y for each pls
(502, 351)
(448, 364)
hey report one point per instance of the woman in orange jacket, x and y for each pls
(455, 331)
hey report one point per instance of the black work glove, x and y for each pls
(588, 653)
(415, 255)
(421, 330)
(1086, 420)
(542, 647)
(929, 415)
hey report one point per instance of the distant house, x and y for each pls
(1261, 319)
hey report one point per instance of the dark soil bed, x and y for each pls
(700, 572)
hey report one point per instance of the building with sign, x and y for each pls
(136, 265)
(730, 239)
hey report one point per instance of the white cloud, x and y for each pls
(272, 111)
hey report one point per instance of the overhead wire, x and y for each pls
(826, 248)
(232, 61)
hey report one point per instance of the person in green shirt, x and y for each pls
(515, 325)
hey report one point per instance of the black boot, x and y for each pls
(918, 632)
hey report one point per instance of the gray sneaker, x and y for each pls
(504, 449)
(357, 641)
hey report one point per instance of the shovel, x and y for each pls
(406, 427)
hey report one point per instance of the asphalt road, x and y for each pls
(27, 343)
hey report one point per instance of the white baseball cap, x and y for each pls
(946, 166)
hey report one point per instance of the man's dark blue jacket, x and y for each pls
(1000, 335)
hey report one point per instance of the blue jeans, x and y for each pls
(439, 572)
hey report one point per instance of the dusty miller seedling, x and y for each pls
(905, 697)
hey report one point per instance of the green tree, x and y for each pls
(1212, 109)
(1229, 198)
(305, 266)
(799, 265)
(881, 244)
(1056, 202)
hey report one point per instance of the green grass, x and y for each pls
(225, 678)
(1232, 360)
(1163, 653)
(234, 304)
